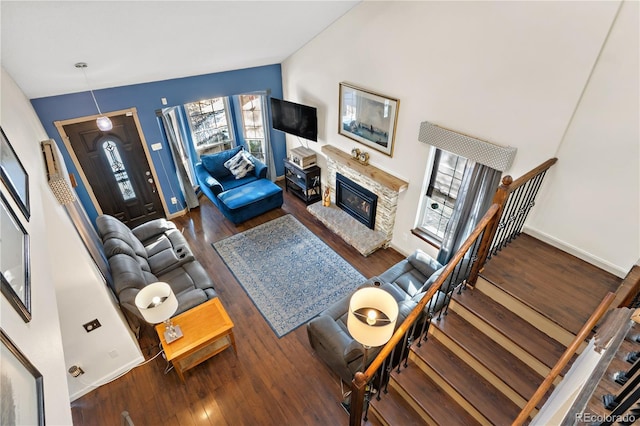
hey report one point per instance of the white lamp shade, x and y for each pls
(104, 123)
(156, 302)
(372, 331)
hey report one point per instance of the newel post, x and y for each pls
(356, 407)
(499, 198)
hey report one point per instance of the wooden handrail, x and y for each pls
(531, 174)
(564, 359)
(361, 379)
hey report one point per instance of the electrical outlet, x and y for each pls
(174, 200)
(92, 325)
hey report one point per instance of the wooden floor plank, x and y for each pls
(560, 286)
(271, 382)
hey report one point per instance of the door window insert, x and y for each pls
(118, 169)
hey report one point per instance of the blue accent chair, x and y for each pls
(237, 199)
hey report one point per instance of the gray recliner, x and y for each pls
(407, 281)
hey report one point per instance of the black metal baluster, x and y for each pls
(518, 197)
(621, 377)
(612, 401)
(403, 347)
(620, 408)
(530, 202)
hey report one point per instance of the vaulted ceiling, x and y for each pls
(130, 42)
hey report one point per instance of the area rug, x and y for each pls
(288, 272)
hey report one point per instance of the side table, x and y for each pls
(207, 331)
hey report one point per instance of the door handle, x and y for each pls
(151, 182)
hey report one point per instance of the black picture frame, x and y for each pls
(21, 386)
(15, 276)
(13, 175)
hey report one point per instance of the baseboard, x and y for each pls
(177, 214)
(106, 379)
(579, 253)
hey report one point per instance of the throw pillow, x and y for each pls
(239, 165)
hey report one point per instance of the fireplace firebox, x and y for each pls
(359, 202)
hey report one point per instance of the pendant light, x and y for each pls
(103, 122)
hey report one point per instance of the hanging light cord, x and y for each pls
(83, 67)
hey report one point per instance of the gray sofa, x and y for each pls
(153, 251)
(407, 281)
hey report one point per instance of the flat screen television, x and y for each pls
(295, 119)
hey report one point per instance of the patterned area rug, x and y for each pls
(288, 272)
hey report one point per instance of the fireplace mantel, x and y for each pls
(383, 178)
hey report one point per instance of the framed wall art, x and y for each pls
(13, 175)
(21, 393)
(14, 261)
(368, 118)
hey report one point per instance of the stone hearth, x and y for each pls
(387, 187)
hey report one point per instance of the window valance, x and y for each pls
(494, 156)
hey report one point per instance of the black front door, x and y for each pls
(117, 169)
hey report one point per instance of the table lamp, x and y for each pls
(157, 303)
(372, 318)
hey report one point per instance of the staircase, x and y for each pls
(485, 358)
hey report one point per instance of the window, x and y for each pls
(211, 126)
(253, 124)
(112, 153)
(442, 192)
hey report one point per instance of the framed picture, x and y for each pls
(14, 261)
(13, 175)
(21, 393)
(368, 118)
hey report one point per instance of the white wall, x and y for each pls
(75, 292)
(507, 72)
(591, 206)
(40, 339)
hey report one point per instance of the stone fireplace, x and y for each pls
(384, 186)
(356, 200)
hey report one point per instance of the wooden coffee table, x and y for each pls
(207, 330)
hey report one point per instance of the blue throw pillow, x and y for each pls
(214, 163)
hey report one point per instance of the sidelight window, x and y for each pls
(118, 169)
(253, 124)
(441, 194)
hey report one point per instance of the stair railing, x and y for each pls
(453, 277)
(517, 198)
(564, 359)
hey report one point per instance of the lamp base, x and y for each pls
(173, 335)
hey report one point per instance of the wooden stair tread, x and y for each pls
(438, 405)
(544, 277)
(502, 363)
(394, 410)
(544, 348)
(481, 394)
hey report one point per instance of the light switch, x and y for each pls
(156, 146)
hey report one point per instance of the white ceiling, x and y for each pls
(129, 42)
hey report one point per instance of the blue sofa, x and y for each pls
(237, 199)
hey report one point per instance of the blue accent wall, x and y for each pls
(146, 98)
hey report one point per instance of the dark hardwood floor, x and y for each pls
(271, 382)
